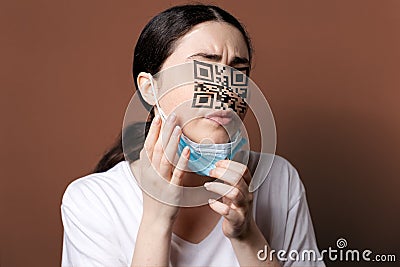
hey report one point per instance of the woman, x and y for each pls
(109, 220)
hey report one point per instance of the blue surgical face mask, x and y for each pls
(203, 157)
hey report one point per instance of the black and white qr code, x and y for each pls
(220, 87)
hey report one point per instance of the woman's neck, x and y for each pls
(192, 179)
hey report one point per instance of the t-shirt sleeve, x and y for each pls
(299, 241)
(89, 238)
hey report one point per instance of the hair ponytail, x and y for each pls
(127, 146)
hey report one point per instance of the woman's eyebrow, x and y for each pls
(239, 60)
(212, 57)
(217, 58)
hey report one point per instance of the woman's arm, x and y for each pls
(247, 249)
(153, 241)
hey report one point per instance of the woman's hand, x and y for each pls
(237, 201)
(157, 175)
(158, 179)
(236, 207)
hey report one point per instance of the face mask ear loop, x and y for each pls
(162, 114)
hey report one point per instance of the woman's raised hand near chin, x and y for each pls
(236, 207)
(158, 177)
(237, 201)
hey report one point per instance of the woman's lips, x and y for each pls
(222, 117)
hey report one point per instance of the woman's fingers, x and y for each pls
(180, 167)
(144, 157)
(162, 140)
(152, 136)
(229, 176)
(170, 150)
(234, 194)
(232, 165)
(236, 167)
(167, 129)
(229, 212)
(157, 154)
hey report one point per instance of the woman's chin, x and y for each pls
(207, 136)
(206, 130)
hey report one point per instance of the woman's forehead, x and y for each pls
(220, 41)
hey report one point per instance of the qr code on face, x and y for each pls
(220, 87)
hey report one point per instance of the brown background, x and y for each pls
(330, 70)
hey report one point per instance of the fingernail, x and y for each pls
(210, 200)
(206, 185)
(172, 117)
(186, 151)
(221, 163)
(177, 130)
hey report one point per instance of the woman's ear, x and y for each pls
(143, 82)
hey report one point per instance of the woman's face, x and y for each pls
(215, 42)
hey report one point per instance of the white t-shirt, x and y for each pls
(101, 214)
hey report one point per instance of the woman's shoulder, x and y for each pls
(101, 213)
(277, 176)
(102, 188)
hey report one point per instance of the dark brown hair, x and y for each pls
(155, 44)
